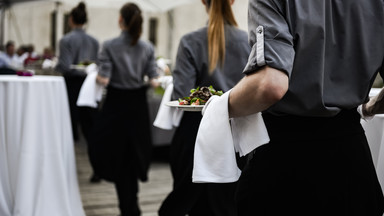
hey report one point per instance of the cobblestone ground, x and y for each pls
(100, 199)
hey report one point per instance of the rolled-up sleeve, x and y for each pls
(104, 60)
(269, 37)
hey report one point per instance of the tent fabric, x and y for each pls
(145, 5)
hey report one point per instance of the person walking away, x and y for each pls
(213, 55)
(77, 47)
(121, 143)
(312, 64)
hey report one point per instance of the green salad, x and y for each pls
(199, 96)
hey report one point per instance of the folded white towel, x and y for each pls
(91, 92)
(248, 133)
(167, 117)
(219, 138)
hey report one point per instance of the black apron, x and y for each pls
(312, 166)
(121, 140)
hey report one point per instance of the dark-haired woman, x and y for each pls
(214, 55)
(76, 47)
(121, 144)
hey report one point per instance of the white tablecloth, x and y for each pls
(374, 129)
(37, 162)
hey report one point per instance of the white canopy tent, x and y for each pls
(157, 6)
(145, 5)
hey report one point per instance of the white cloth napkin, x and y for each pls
(167, 117)
(248, 133)
(219, 138)
(48, 63)
(91, 92)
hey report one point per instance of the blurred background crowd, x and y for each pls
(39, 25)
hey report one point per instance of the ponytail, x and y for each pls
(133, 21)
(220, 12)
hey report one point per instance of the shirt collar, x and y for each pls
(126, 35)
(78, 29)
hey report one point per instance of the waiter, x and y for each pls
(78, 47)
(121, 144)
(312, 64)
(213, 55)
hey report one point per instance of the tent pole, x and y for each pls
(3, 8)
(2, 20)
(54, 24)
(171, 24)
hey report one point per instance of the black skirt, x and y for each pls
(312, 166)
(121, 140)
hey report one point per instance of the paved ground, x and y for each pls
(100, 199)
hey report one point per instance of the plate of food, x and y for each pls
(190, 108)
(195, 102)
(77, 67)
(81, 66)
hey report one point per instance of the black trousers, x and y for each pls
(127, 188)
(120, 145)
(85, 116)
(312, 166)
(194, 199)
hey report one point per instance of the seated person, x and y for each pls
(31, 55)
(9, 61)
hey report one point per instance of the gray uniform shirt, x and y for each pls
(126, 65)
(331, 50)
(75, 47)
(192, 66)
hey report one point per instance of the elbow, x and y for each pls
(275, 94)
(274, 89)
(258, 91)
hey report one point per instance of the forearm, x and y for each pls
(375, 105)
(257, 92)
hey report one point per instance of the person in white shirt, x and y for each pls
(9, 59)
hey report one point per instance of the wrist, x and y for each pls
(365, 110)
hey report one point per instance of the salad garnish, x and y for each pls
(199, 96)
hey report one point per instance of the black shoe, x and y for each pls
(95, 179)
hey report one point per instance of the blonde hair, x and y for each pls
(220, 12)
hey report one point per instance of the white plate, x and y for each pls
(78, 67)
(190, 108)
